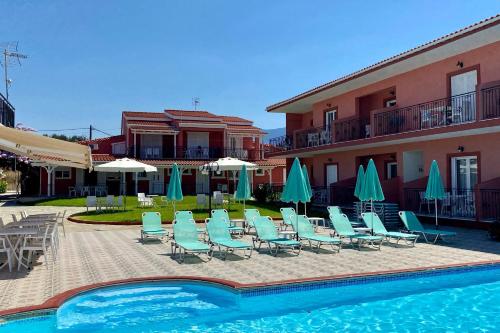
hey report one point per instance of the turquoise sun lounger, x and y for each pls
(267, 233)
(186, 239)
(289, 216)
(187, 215)
(343, 229)
(413, 225)
(250, 215)
(379, 229)
(223, 214)
(306, 232)
(151, 226)
(219, 236)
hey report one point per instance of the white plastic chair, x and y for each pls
(7, 251)
(218, 198)
(60, 221)
(71, 191)
(91, 202)
(39, 242)
(119, 202)
(144, 201)
(201, 200)
(110, 201)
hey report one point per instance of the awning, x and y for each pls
(227, 164)
(44, 149)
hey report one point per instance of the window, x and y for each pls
(118, 148)
(392, 170)
(260, 172)
(464, 172)
(63, 173)
(330, 116)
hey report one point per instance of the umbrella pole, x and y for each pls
(371, 203)
(305, 208)
(297, 221)
(173, 203)
(436, 211)
(244, 224)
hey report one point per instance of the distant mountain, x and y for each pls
(273, 133)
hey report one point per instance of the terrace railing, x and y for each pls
(490, 204)
(490, 98)
(193, 153)
(280, 143)
(312, 137)
(350, 129)
(460, 203)
(439, 113)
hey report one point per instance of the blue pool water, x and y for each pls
(459, 301)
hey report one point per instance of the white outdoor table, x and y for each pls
(316, 220)
(290, 234)
(20, 233)
(363, 230)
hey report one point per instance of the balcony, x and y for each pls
(6, 112)
(441, 113)
(193, 153)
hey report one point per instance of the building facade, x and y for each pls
(188, 138)
(439, 101)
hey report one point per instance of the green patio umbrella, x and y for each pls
(435, 188)
(308, 185)
(359, 181)
(174, 191)
(372, 190)
(295, 189)
(243, 189)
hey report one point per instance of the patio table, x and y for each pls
(28, 223)
(14, 238)
(290, 234)
(316, 220)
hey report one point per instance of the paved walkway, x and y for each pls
(91, 254)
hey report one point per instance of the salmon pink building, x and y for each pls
(438, 101)
(188, 138)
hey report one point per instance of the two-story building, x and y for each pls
(188, 138)
(438, 101)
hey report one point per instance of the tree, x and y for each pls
(73, 138)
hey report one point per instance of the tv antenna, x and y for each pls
(10, 57)
(196, 102)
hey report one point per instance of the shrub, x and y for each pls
(3, 186)
(261, 193)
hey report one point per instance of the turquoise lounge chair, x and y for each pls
(267, 233)
(288, 215)
(336, 210)
(151, 226)
(223, 214)
(413, 225)
(250, 215)
(219, 235)
(187, 215)
(379, 229)
(186, 239)
(344, 229)
(306, 232)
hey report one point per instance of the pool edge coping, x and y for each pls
(54, 302)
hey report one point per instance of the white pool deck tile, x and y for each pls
(92, 253)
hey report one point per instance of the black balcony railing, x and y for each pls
(7, 113)
(439, 113)
(490, 204)
(312, 137)
(460, 203)
(193, 153)
(490, 98)
(280, 143)
(350, 129)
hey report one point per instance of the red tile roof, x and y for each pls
(192, 113)
(141, 114)
(115, 138)
(103, 158)
(234, 119)
(245, 128)
(171, 162)
(398, 57)
(272, 162)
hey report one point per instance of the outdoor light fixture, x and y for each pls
(460, 64)
(460, 149)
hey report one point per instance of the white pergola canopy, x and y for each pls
(45, 150)
(228, 164)
(125, 165)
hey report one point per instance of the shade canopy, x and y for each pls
(228, 164)
(305, 174)
(372, 189)
(295, 187)
(174, 191)
(125, 165)
(435, 188)
(243, 190)
(44, 149)
(359, 182)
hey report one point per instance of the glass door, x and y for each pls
(464, 172)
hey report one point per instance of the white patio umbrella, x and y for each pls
(225, 164)
(124, 165)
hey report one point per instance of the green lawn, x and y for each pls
(132, 213)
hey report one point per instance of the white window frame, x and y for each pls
(64, 173)
(390, 101)
(454, 180)
(328, 124)
(388, 169)
(260, 172)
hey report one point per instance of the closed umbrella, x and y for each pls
(243, 189)
(174, 191)
(359, 182)
(308, 186)
(435, 188)
(295, 189)
(372, 190)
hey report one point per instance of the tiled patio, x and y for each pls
(91, 254)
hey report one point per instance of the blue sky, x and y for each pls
(90, 60)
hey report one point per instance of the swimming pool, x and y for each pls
(455, 300)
